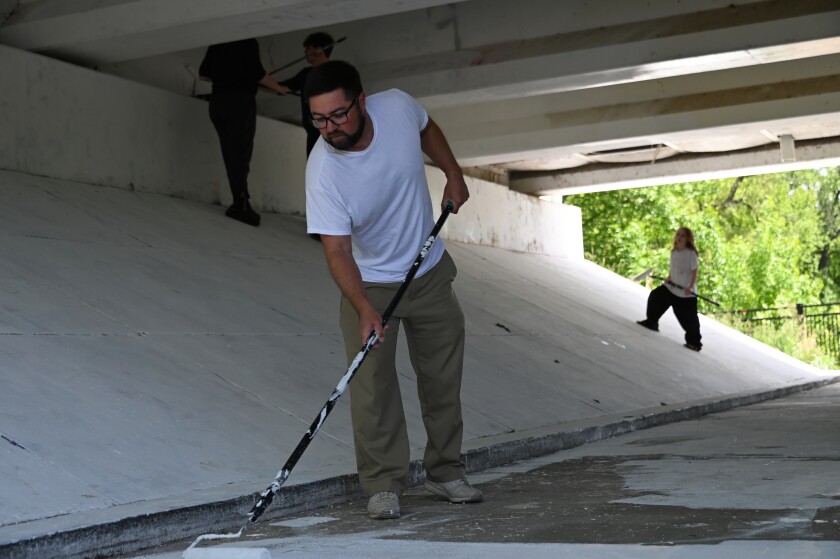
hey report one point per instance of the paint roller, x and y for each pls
(267, 496)
(222, 552)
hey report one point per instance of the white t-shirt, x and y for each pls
(378, 196)
(683, 263)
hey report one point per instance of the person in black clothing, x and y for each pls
(679, 291)
(236, 72)
(317, 47)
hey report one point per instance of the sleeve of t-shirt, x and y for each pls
(693, 261)
(415, 109)
(325, 213)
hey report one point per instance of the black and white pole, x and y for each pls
(302, 58)
(269, 493)
(681, 287)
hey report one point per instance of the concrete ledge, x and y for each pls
(135, 533)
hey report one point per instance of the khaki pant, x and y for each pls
(434, 329)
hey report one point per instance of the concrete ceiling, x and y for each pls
(550, 97)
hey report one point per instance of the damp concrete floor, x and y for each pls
(758, 481)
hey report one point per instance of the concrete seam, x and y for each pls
(133, 534)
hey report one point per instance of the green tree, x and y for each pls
(764, 241)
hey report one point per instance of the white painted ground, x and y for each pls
(366, 546)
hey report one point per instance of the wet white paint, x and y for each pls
(731, 482)
(363, 546)
(304, 522)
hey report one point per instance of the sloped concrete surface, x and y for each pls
(757, 482)
(156, 355)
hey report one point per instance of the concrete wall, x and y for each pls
(499, 217)
(63, 121)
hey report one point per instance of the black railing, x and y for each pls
(821, 321)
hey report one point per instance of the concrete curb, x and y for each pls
(134, 533)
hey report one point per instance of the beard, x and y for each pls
(341, 141)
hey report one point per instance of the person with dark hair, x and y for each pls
(236, 72)
(679, 291)
(317, 47)
(367, 196)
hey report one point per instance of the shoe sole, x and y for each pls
(246, 221)
(446, 495)
(648, 327)
(387, 515)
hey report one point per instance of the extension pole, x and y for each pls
(302, 58)
(271, 491)
(268, 495)
(681, 287)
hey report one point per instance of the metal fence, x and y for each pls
(821, 321)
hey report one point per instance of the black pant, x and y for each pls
(685, 309)
(234, 115)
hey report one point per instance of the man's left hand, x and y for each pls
(455, 191)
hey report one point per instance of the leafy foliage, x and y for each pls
(764, 241)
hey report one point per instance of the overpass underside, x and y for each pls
(547, 97)
(157, 356)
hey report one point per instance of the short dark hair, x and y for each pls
(320, 40)
(332, 75)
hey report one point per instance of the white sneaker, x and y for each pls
(384, 506)
(458, 491)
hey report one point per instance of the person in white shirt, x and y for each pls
(368, 198)
(679, 291)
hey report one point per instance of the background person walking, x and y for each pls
(679, 290)
(317, 47)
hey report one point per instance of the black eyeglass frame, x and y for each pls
(338, 118)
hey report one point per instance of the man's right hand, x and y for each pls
(371, 321)
(339, 252)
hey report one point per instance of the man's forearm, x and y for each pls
(346, 274)
(434, 144)
(269, 83)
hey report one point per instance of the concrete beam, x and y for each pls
(808, 108)
(95, 32)
(703, 41)
(669, 129)
(607, 103)
(683, 168)
(461, 54)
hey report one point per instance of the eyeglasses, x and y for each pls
(337, 118)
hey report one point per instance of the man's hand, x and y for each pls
(371, 321)
(345, 271)
(456, 191)
(269, 83)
